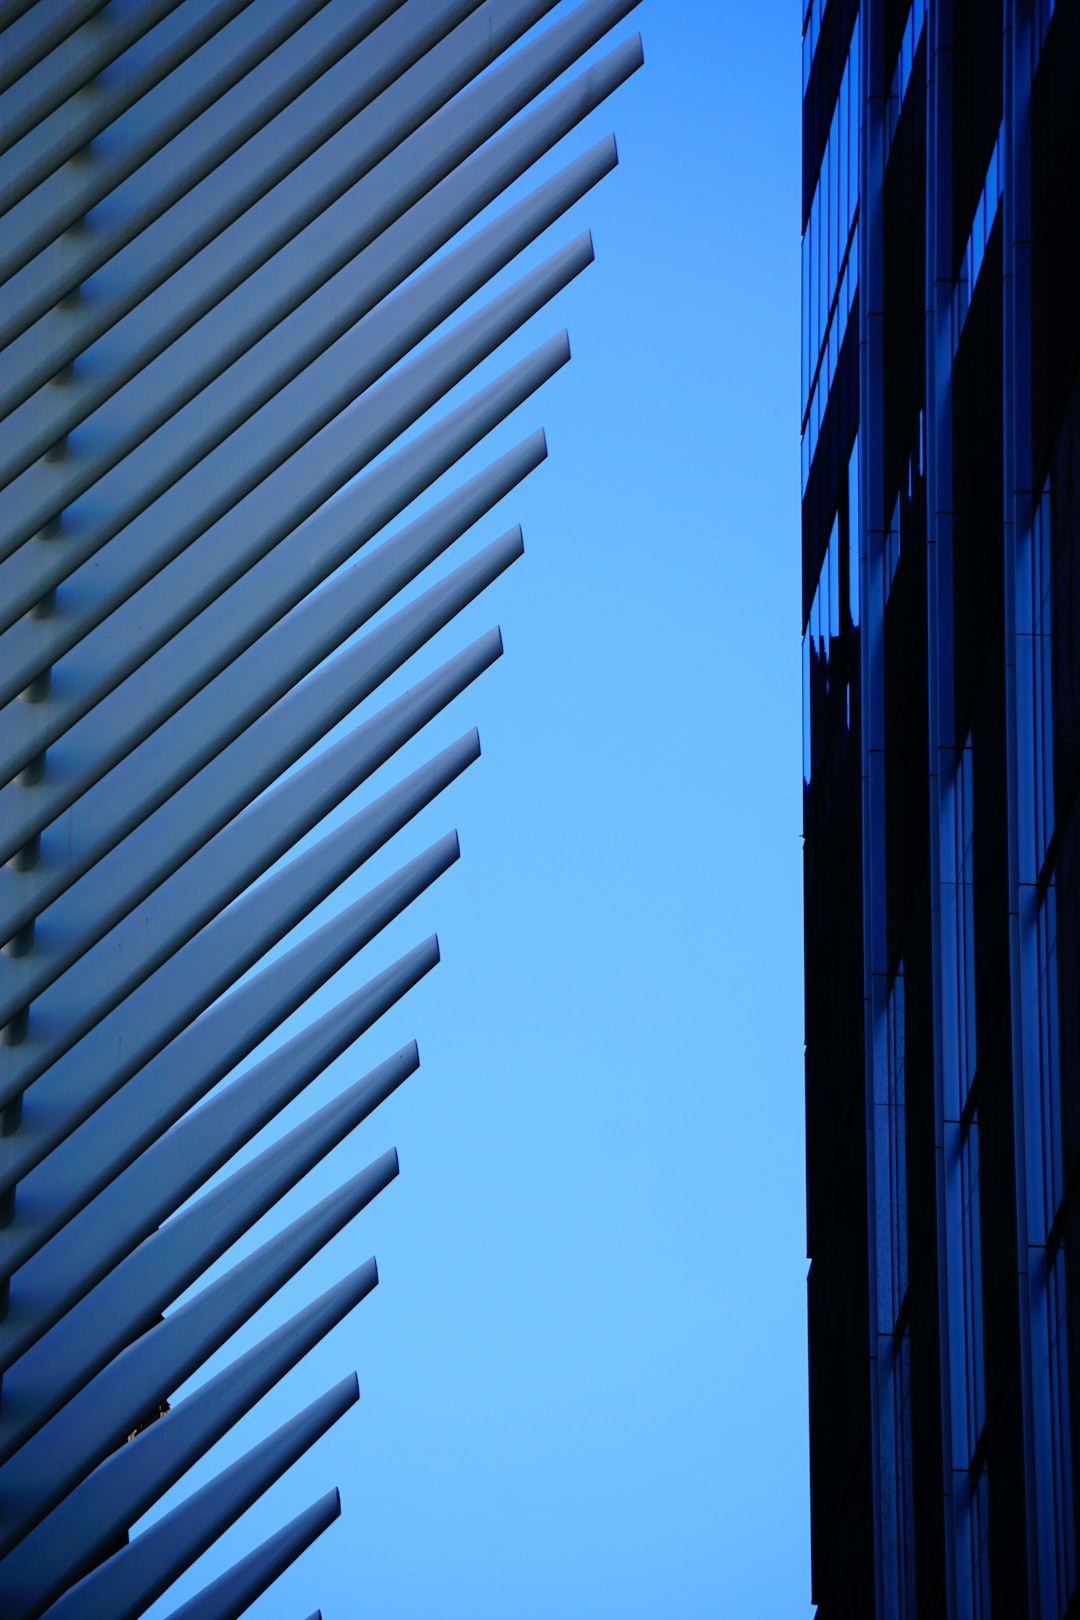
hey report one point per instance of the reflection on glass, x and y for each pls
(1057, 1336)
(1042, 677)
(826, 299)
(892, 548)
(986, 210)
(965, 918)
(813, 12)
(853, 533)
(1044, 10)
(980, 1554)
(973, 1335)
(905, 61)
(897, 1139)
(1051, 1171)
(806, 707)
(821, 651)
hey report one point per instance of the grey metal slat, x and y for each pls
(231, 861)
(144, 1569)
(44, 150)
(183, 327)
(68, 60)
(233, 621)
(328, 324)
(238, 357)
(172, 842)
(173, 616)
(233, 1592)
(128, 1301)
(175, 1056)
(234, 532)
(236, 1590)
(39, 1474)
(182, 1070)
(89, 1522)
(380, 98)
(134, 1203)
(253, 168)
(58, 16)
(154, 742)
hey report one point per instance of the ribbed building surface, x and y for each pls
(222, 260)
(941, 609)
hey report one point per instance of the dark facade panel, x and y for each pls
(944, 811)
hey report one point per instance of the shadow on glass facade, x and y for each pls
(941, 763)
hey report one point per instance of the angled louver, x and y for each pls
(230, 236)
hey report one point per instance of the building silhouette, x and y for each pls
(237, 244)
(941, 682)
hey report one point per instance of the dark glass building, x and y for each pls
(941, 674)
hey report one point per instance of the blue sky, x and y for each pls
(582, 1376)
